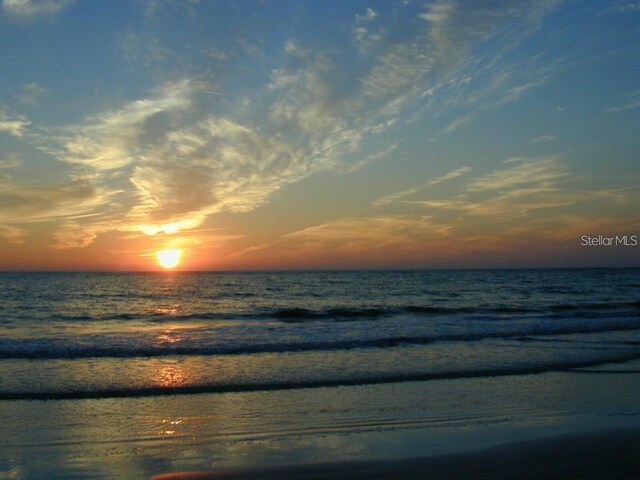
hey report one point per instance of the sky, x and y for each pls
(256, 135)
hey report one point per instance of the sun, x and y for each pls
(169, 258)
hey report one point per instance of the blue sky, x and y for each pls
(318, 134)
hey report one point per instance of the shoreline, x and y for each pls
(560, 420)
(601, 454)
(587, 366)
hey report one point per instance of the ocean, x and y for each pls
(164, 351)
(95, 335)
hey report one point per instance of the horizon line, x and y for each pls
(325, 270)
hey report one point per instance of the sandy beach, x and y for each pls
(609, 454)
(574, 424)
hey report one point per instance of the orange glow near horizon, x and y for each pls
(169, 258)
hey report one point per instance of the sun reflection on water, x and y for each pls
(168, 337)
(169, 427)
(167, 310)
(170, 376)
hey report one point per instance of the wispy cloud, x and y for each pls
(454, 125)
(13, 125)
(215, 165)
(112, 140)
(140, 48)
(154, 8)
(449, 176)
(11, 160)
(364, 38)
(31, 93)
(529, 197)
(544, 138)
(167, 161)
(523, 191)
(446, 33)
(394, 197)
(13, 234)
(632, 103)
(373, 157)
(537, 170)
(187, 163)
(376, 233)
(626, 6)
(23, 203)
(368, 15)
(182, 169)
(80, 210)
(32, 8)
(514, 93)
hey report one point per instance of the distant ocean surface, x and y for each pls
(96, 335)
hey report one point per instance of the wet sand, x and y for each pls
(582, 424)
(609, 454)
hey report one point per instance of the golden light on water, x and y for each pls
(169, 258)
(170, 376)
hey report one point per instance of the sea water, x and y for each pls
(106, 376)
(100, 335)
